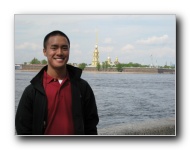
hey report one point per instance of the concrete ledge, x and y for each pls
(152, 127)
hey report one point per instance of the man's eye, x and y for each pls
(53, 48)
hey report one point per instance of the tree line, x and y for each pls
(119, 66)
(36, 61)
(104, 66)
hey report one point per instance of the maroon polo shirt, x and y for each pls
(59, 103)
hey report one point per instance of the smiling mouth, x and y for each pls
(59, 59)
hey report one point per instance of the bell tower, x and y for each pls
(95, 59)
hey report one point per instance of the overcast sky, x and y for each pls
(143, 39)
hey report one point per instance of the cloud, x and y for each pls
(27, 45)
(74, 46)
(107, 40)
(77, 52)
(127, 48)
(75, 30)
(154, 40)
(106, 49)
(163, 52)
(75, 49)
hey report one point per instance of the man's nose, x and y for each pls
(59, 51)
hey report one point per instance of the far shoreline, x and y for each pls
(112, 72)
(100, 72)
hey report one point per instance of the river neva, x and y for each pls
(123, 98)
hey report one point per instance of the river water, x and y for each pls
(123, 98)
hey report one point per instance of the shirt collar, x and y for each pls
(49, 79)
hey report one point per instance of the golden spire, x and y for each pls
(96, 37)
(95, 58)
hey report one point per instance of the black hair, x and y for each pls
(54, 33)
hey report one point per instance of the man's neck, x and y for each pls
(58, 73)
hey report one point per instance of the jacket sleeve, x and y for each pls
(23, 119)
(91, 118)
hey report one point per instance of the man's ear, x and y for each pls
(44, 51)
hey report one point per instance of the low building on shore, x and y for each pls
(32, 67)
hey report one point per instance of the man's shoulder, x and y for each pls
(83, 82)
(84, 85)
(74, 72)
(29, 89)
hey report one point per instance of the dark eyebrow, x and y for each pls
(61, 46)
(65, 46)
(54, 45)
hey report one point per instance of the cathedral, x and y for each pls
(95, 58)
(111, 63)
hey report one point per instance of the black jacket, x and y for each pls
(31, 114)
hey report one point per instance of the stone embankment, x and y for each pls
(159, 127)
(32, 67)
(133, 70)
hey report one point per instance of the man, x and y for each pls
(58, 101)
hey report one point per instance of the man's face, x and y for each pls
(57, 51)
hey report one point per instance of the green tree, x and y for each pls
(105, 65)
(167, 67)
(119, 67)
(44, 62)
(35, 61)
(98, 66)
(82, 66)
(131, 64)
